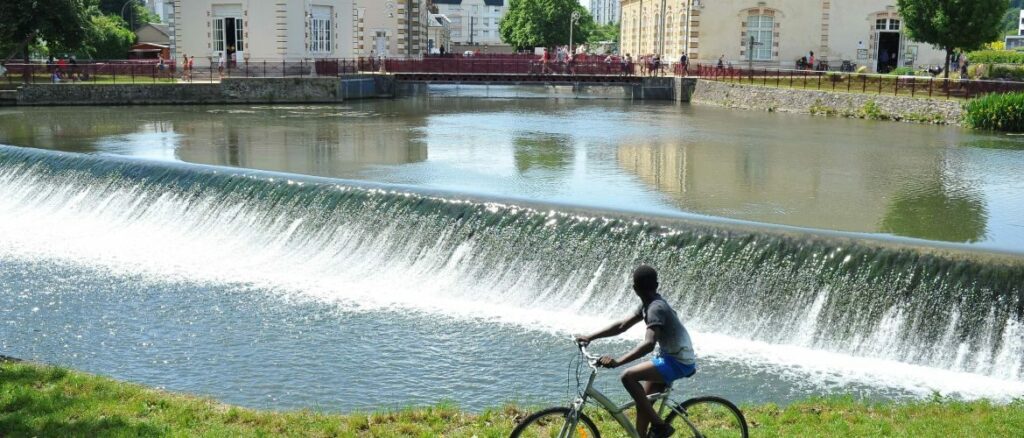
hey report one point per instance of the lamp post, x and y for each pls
(573, 19)
(131, 18)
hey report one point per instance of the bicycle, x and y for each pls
(704, 416)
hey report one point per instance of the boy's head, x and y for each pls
(645, 280)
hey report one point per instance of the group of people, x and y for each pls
(64, 69)
(187, 64)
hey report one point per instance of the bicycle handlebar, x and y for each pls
(591, 359)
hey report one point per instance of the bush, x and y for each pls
(1005, 72)
(1000, 112)
(996, 57)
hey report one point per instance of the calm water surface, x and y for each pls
(936, 183)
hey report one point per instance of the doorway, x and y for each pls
(228, 38)
(888, 51)
(380, 43)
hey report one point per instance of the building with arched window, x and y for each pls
(774, 33)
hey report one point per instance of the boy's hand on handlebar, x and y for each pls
(608, 362)
(583, 340)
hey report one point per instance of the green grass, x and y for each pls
(44, 401)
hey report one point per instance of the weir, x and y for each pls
(944, 307)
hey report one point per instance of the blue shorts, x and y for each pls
(671, 369)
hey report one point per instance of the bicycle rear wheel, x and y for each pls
(553, 423)
(711, 417)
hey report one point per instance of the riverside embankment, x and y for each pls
(39, 400)
(316, 90)
(829, 103)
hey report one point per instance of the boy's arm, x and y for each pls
(612, 330)
(647, 346)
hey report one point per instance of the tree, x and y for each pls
(108, 37)
(953, 24)
(61, 24)
(544, 23)
(134, 10)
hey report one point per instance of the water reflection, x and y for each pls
(850, 175)
(299, 145)
(542, 151)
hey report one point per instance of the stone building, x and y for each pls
(474, 22)
(774, 33)
(390, 28)
(259, 30)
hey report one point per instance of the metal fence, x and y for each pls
(913, 86)
(171, 72)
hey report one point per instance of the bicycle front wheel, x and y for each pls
(554, 423)
(711, 417)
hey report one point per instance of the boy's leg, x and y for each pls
(631, 379)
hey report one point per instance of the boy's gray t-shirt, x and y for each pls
(673, 339)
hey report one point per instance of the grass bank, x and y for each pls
(46, 401)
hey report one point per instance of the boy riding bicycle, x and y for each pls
(674, 359)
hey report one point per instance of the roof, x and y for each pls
(439, 19)
(160, 27)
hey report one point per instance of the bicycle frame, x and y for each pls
(594, 396)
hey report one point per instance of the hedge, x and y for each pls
(996, 57)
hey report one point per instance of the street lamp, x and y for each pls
(573, 20)
(131, 18)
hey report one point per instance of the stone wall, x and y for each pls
(228, 91)
(869, 106)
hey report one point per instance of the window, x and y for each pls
(218, 35)
(762, 29)
(884, 24)
(320, 30)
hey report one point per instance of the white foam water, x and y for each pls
(127, 228)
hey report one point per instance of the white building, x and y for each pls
(1020, 31)
(605, 11)
(439, 34)
(259, 30)
(474, 22)
(390, 28)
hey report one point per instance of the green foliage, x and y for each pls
(544, 23)
(954, 24)
(1012, 15)
(134, 11)
(872, 111)
(999, 112)
(996, 57)
(108, 38)
(61, 24)
(606, 32)
(1004, 72)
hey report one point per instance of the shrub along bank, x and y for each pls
(999, 112)
(38, 400)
